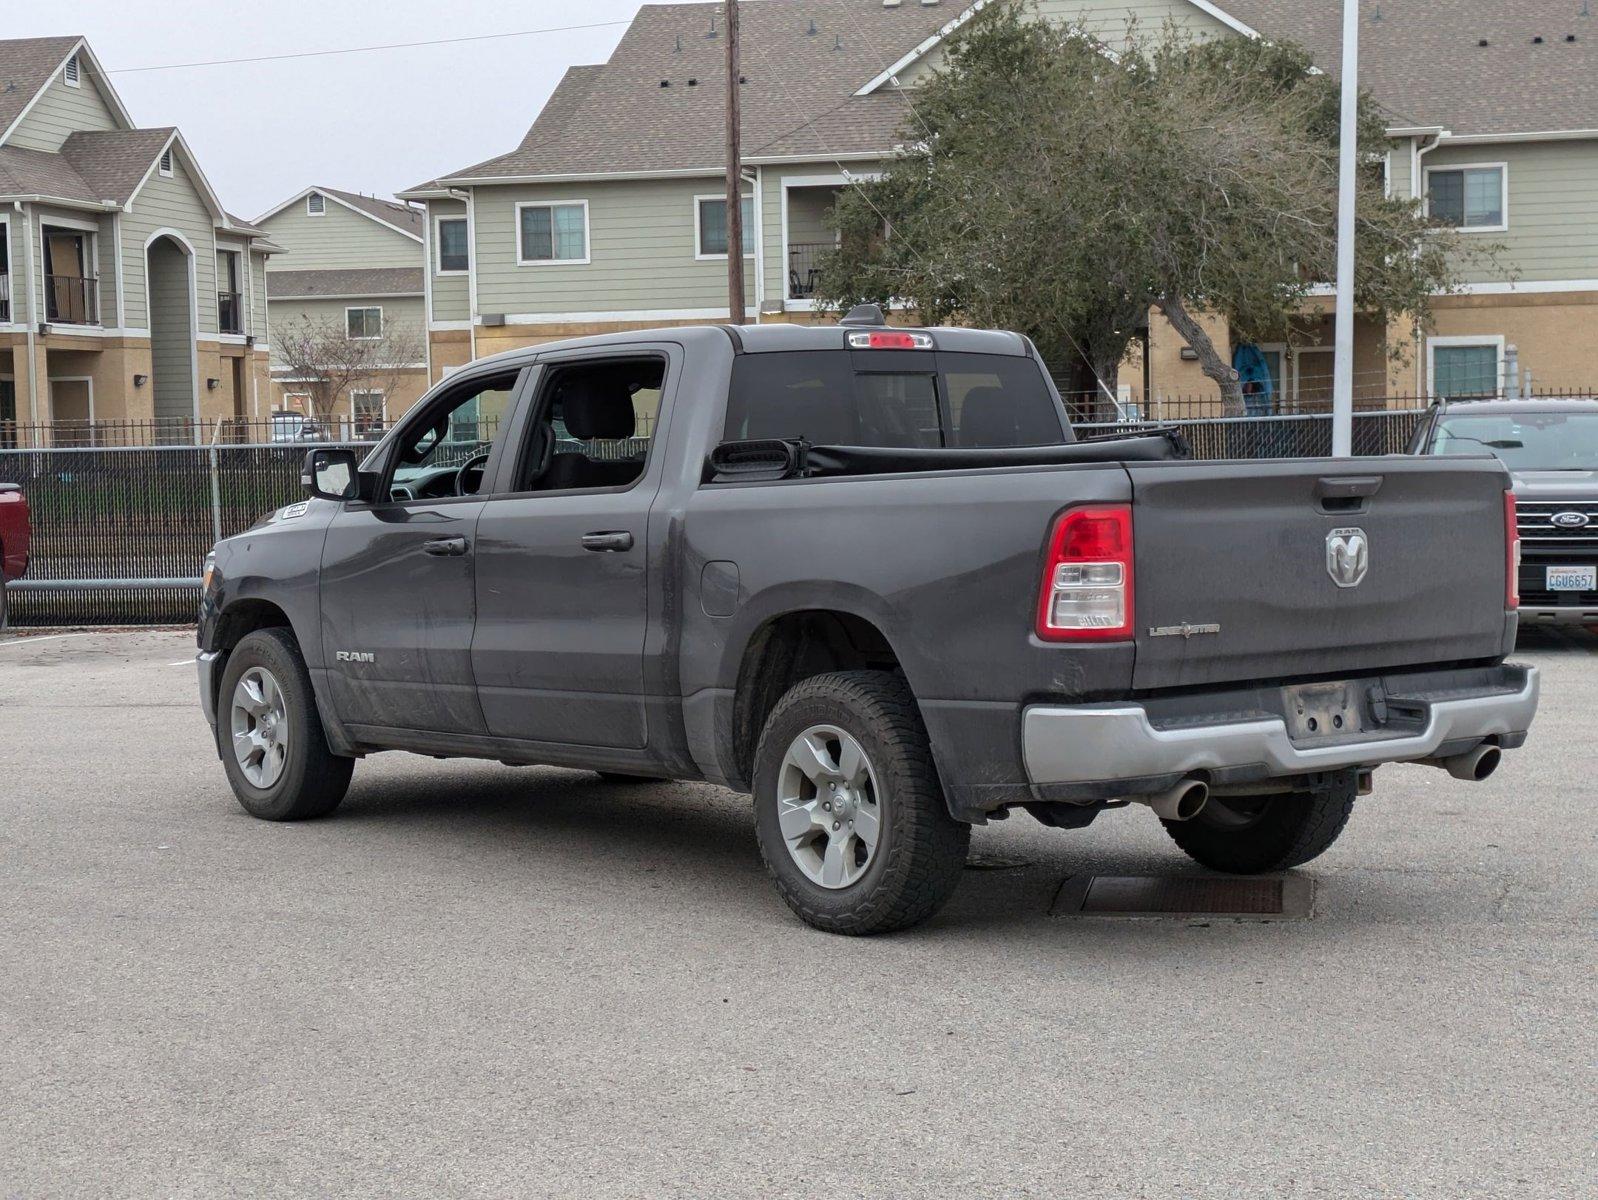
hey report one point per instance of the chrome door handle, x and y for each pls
(613, 540)
(452, 547)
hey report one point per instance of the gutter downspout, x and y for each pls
(33, 313)
(468, 197)
(427, 291)
(1417, 192)
(760, 243)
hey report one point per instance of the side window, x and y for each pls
(457, 432)
(595, 423)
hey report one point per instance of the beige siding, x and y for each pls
(1553, 208)
(173, 203)
(1106, 19)
(60, 111)
(258, 307)
(641, 250)
(402, 316)
(451, 293)
(1398, 167)
(338, 238)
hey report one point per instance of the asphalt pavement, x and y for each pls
(493, 981)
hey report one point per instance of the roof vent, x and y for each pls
(677, 49)
(1570, 37)
(712, 32)
(837, 41)
(811, 32)
(665, 83)
(693, 83)
(864, 314)
(1538, 40)
(928, 3)
(1481, 41)
(891, 3)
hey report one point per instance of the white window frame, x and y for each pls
(382, 403)
(1503, 198)
(315, 212)
(377, 337)
(72, 72)
(1496, 340)
(516, 231)
(91, 255)
(164, 163)
(790, 183)
(749, 242)
(438, 243)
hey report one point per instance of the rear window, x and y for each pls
(892, 398)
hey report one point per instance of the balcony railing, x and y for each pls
(804, 267)
(230, 312)
(71, 300)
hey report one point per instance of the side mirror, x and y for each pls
(330, 472)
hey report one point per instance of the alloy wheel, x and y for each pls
(260, 727)
(828, 806)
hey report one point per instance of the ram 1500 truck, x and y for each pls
(870, 576)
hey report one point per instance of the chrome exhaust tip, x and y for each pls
(1180, 803)
(1475, 765)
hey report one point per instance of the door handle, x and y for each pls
(451, 547)
(614, 540)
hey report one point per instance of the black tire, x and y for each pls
(5, 604)
(313, 779)
(1249, 835)
(921, 848)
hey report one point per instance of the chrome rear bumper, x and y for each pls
(1103, 743)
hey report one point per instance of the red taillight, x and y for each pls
(1511, 553)
(1087, 576)
(889, 339)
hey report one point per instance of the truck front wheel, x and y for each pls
(270, 734)
(1248, 835)
(849, 811)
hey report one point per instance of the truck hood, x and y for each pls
(1556, 485)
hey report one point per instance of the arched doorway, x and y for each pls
(169, 276)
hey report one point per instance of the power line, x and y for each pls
(481, 37)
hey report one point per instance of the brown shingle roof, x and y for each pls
(1421, 59)
(802, 59)
(38, 173)
(360, 281)
(114, 162)
(26, 65)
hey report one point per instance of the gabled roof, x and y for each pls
(27, 65)
(401, 218)
(802, 61)
(344, 283)
(114, 162)
(1422, 58)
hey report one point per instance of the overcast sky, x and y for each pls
(372, 122)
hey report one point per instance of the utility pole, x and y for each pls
(1343, 345)
(735, 221)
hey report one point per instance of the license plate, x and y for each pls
(1573, 579)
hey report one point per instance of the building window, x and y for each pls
(452, 253)
(369, 413)
(5, 272)
(710, 226)
(553, 232)
(70, 288)
(229, 297)
(363, 324)
(1465, 367)
(315, 204)
(73, 75)
(1473, 197)
(166, 162)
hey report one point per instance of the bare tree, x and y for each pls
(324, 362)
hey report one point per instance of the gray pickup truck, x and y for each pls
(870, 576)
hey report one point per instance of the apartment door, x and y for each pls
(72, 411)
(241, 405)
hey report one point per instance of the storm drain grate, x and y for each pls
(1276, 897)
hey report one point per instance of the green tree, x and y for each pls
(1063, 188)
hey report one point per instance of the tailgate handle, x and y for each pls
(1345, 493)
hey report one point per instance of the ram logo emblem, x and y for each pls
(356, 656)
(1348, 556)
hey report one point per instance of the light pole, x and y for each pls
(1347, 164)
(735, 208)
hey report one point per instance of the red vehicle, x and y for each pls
(14, 528)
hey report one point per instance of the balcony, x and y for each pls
(230, 312)
(71, 300)
(804, 267)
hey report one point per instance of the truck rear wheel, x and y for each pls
(849, 810)
(1248, 835)
(270, 734)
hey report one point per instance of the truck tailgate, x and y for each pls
(1234, 567)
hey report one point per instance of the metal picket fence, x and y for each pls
(120, 533)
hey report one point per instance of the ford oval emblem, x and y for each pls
(1571, 520)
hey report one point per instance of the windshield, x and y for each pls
(1558, 441)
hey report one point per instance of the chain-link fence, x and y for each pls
(120, 533)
